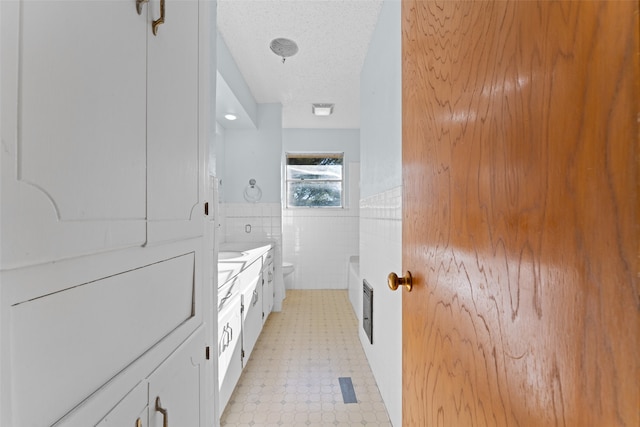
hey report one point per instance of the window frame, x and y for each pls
(320, 155)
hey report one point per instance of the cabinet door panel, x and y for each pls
(267, 296)
(231, 375)
(78, 339)
(129, 410)
(74, 167)
(252, 322)
(229, 334)
(178, 386)
(268, 276)
(173, 145)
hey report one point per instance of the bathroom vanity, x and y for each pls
(245, 300)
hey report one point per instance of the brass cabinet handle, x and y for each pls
(138, 422)
(158, 21)
(163, 411)
(394, 281)
(225, 340)
(222, 345)
(139, 4)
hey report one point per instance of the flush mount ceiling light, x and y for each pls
(322, 109)
(230, 117)
(284, 48)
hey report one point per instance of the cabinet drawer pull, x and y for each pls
(138, 422)
(158, 21)
(254, 299)
(163, 411)
(225, 340)
(139, 4)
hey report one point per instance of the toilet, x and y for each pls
(287, 273)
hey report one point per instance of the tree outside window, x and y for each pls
(315, 180)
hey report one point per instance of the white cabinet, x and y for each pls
(252, 309)
(175, 389)
(73, 157)
(132, 410)
(173, 392)
(103, 130)
(76, 340)
(229, 333)
(268, 280)
(173, 151)
(229, 347)
(245, 301)
(102, 151)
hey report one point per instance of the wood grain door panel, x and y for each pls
(520, 177)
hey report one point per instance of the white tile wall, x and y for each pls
(319, 242)
(380, 254)
(319, 245)
(263, 220)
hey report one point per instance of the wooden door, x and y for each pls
(520, 175)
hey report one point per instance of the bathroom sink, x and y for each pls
(229, 255)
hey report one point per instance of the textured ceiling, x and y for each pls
(332, 36)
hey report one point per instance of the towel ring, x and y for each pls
(252, 193)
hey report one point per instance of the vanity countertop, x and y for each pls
(233, 257)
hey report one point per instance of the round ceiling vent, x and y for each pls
(284, 48)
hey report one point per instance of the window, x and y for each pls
(314, 180)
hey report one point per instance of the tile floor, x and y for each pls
(292, 376)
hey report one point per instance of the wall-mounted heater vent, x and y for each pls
(367, 309)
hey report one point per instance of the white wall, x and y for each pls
(232, 76)
(317, 241)
(254, 154)
(381, 203)
(247, 154)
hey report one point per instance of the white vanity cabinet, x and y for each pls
(229, 339)
(251, 279)
(268, 280)
(229, 330)
(246, 299)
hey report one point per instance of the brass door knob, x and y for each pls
(394, 281)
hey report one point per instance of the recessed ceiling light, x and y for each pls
(230, 116)
(322, 109)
